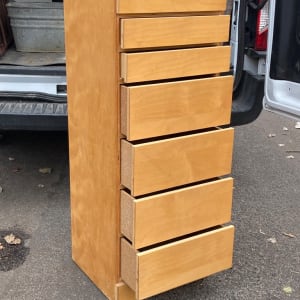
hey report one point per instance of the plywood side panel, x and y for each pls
(180, 212)
(127, 215)
(173, 31)
(127, 161)
(92, 72)
(178, 161)
(176, 264)
(129, 265)
(165, 6)
(156, 65)
(166, 108)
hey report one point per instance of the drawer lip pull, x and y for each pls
(159, 65)
(138, 33)
(177, 213)
(165, 267)
(167, 108)
(164, 164)
(169, 6)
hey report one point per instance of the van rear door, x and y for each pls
(282, 81)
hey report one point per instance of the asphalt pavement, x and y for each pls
(266, 213)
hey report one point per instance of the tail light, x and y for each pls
(262, 28)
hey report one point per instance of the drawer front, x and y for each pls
(167, 108)
(165, 6)
(163, 268)
(156, 65)
(176, 213)
(155, 166)
(173, 31)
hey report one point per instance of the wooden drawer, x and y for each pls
(173, 31)
(155, 166)
(159, 269)
(156, 65)
(165, 6)
(175, 213)
(166, 108)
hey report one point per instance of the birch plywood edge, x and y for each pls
(94, 138)
(166, 6)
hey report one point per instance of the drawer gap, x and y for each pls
(179, 79)
(172, 14)
(123, 237)
(173, 47)
(178, 239)
(177, 187)
(122, 82)
(171, 136)
(176, 47)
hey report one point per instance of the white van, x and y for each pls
(265, 43)
(265, 40)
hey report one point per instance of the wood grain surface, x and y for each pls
(178, 161)
(176, 213)
(93, 107)
(165, 6)
(166, 108)
(175, 264)
(173, 31)
(156, 65)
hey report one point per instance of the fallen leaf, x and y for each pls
(11, 158)
(288, 290)
(289, 235)
(271, 135)
(1, 189)
(11, 239)
(297, 126)
(281, 145)
(17, 170)
(290, 157)
(41, 186)
(272, 240)
(45, 170)
(285, 129)
(17, 241)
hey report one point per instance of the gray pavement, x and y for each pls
(266, 206)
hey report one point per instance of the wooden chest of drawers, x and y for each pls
(149, 99)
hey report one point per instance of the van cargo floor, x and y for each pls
(26, 59)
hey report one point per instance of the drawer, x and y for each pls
(151, 220)
(173, 31)
(165, 6)
(156, 65)
(159, 165)
(163, 268)
(167, 108)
